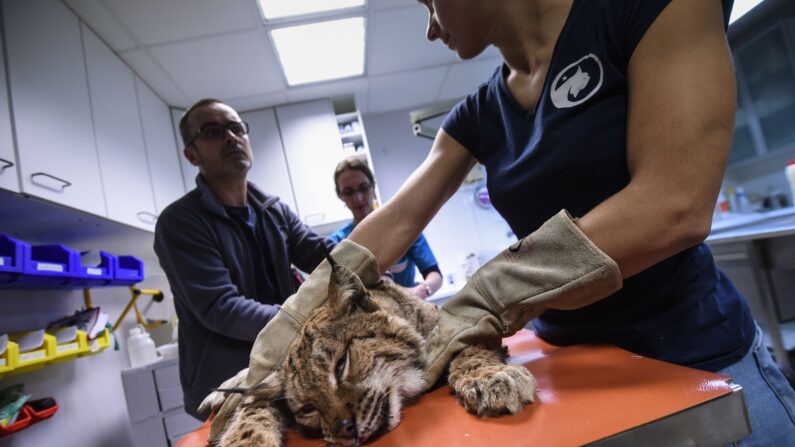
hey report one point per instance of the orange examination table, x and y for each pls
(587, 395)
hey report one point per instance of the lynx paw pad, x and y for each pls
(500, 390)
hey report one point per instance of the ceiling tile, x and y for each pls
(255, 102)
(155, 21)
(99, 19)
(410, 89)
(228, 66)
(397, 42)
(147, 68)
(327, 89)
(189, 49)
(464, 77)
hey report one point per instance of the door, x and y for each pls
(119, 136)
(162, 155)
(8, 161)
(52, 114)
(269, 170)
(313, 148)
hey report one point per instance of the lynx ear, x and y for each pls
(346, 292)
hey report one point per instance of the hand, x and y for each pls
(387, 279)
(420, 291)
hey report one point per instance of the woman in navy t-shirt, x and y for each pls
(620, 112)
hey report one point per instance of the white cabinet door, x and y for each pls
(52, 114)
(269, 170)
(189, 172)
(8, 161)
(313, 148)
(163, 157)
(120, 142)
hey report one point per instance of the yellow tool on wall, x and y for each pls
(148, 323)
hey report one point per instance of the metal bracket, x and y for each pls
(417, 117)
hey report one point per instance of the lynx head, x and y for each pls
(353, 365)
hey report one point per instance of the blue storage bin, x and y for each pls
(96, 275)
(12, 259)
(49, 265)
(128, 270)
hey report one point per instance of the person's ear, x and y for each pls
(190, 154)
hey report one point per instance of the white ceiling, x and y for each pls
(191, 49)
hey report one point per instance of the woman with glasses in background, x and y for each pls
(355, 184)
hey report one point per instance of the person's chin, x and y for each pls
(466, 55)
(240, 166)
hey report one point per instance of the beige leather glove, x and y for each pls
(555, 267)
(270, 347)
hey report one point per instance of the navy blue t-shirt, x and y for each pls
(570, 153)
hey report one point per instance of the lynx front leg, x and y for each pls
(485, 385)
(256, 423)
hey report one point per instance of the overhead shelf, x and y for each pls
(56, 266)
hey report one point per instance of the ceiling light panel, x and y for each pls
(278, 9)
(321, 51)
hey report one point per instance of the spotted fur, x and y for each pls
(358, 360)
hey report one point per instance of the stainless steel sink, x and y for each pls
(777, 220)
(776, 223)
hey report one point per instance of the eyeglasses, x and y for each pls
(364, 188)
(217, 131)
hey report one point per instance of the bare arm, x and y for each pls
(417, 201)
(680, 125)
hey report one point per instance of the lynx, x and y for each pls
(358, 359)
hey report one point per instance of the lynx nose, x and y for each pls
(346, 429)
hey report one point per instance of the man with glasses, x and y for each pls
(354, 184)
(227, 250)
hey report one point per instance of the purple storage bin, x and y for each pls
(127, 270)
(98, 275)
(12, 255)
(51, 265)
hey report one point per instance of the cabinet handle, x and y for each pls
(44, 185)
(146, 217)
(6, 164)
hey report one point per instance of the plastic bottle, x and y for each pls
(722, 207)
(743, 204)
(790, 171)
(140, 347)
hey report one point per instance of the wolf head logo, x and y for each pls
(577, 82)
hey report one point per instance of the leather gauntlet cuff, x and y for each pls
(555, 267)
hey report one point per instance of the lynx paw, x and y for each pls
(495, 390)
(256, 423)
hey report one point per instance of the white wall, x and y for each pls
(93, 411)
(460, 227)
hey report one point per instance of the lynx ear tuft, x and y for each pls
(328, 256)
(270, 388)
(346, 292)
